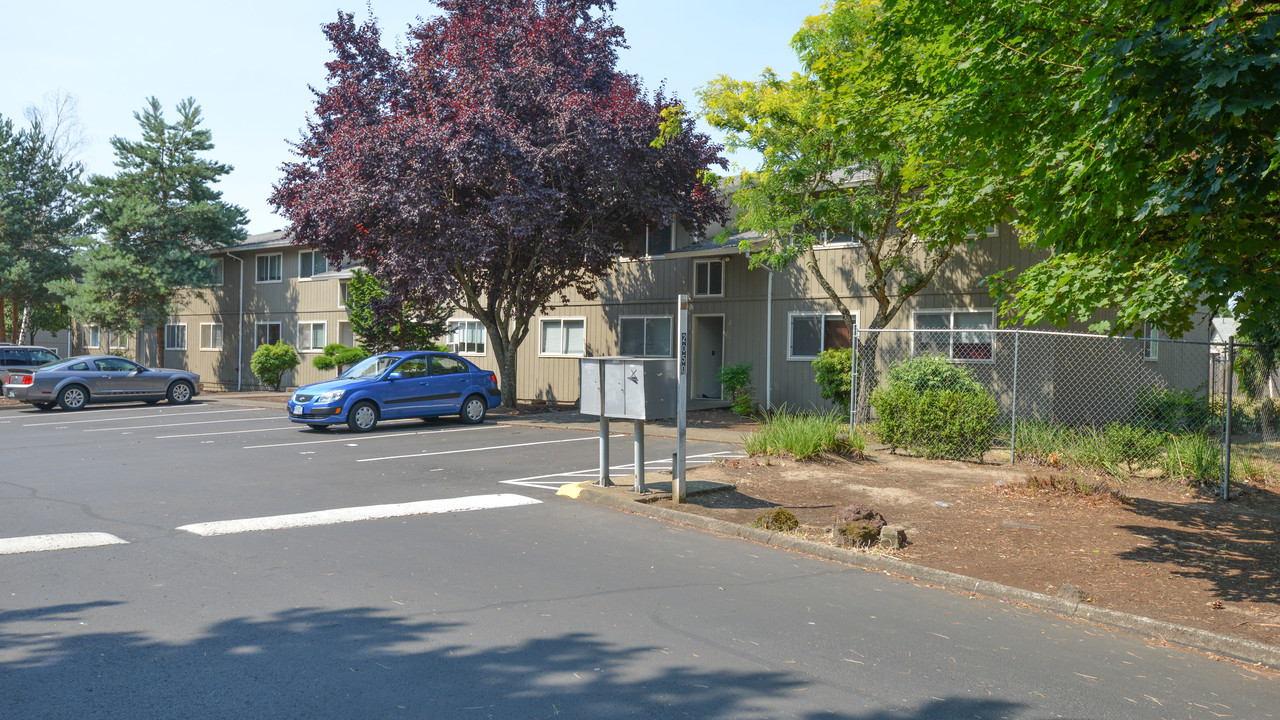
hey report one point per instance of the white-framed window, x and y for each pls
(216, 271)
(311, 263)
(344, 293)
(117, 341)
(645, 336)
(95, 337)
(809, 333)
(311, 336)
(270, 268)
(1150, 342)
(467, 337)
(989, 231)
(562, 336)
(210, 336)
(175, 336)
(708, 278)
(346, 335)
(659, 241)
(966, 343)
(837, 240)
(266, 333)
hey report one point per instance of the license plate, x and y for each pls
(297, 409)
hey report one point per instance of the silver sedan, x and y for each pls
(75, 382)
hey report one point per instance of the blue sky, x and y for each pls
(248, 65)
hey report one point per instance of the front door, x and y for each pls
(708, 356)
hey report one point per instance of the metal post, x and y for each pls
(682, 398)
(1226, 433)
(1013, 412)
(638, 442)
(853, 378)
(604, 480)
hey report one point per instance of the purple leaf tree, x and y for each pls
(499, 161)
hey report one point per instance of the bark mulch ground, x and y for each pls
(1151, 548)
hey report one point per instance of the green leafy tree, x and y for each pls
(40, 212)
(269, 363)
(160, 213)
(833, 166)
(1256, 364)
(1136, 140)
(411, 320)
(109, 287)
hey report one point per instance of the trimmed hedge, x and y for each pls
(934, 409)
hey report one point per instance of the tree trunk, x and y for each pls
(4, 335)
(507, 372)
(159, 348)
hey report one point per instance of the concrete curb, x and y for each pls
(1246, 650)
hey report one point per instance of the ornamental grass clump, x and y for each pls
(803, 436)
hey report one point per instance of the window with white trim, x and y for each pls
(117, 341)
(810, 333)
(708, 278)
(834, 239)
(989, 231)
(967, 342)
(216, 271)
(175, 336)
(1150, 342)
(311, 263)
(467, 337)
(645, 336)
(562, 336)
(660, 241)
(344, 293)
(270, 268)
(311, 336)
(95, 337)
(267, 333)
(210, 336)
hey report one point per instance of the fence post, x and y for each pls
(1013, 412)
(853, 380)
(1226, 433)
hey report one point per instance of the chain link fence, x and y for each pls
(1126, 407)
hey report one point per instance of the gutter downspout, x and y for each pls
(239, 327)
(768, 346)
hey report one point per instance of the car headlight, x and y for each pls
(328, 397)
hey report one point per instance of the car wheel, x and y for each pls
(362, 417)
(73, 397)
(317, 426)
(180, 393)
(474, 409)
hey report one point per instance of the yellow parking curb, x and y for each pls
(573, 490)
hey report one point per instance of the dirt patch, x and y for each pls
(1150, 548)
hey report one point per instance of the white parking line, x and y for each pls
(377, 436)
(152, 416)
(547, 482)
(226, 432)
(173, 424)
(355, 514)
(63, 541)
(488, 447)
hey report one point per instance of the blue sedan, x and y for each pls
(401, 384)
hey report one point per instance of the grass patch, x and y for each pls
(803, 436)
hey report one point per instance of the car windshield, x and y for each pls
(370, 367)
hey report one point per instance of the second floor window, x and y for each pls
(708, 278)
(311, 263)
(270, 268)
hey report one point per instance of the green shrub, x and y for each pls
(1172, 411)
(778, 519)
(271, 362)
(833, 372)
(337, 355)
(736, 380)
(1131, 445)
(803, 436)
(934, 409)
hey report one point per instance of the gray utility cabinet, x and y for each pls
(634, 388)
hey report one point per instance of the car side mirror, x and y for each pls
(395, 376)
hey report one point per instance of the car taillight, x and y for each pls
(493, 378)
(20, 380)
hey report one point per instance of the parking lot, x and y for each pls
(136, 471)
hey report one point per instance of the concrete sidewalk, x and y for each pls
(700, 429)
